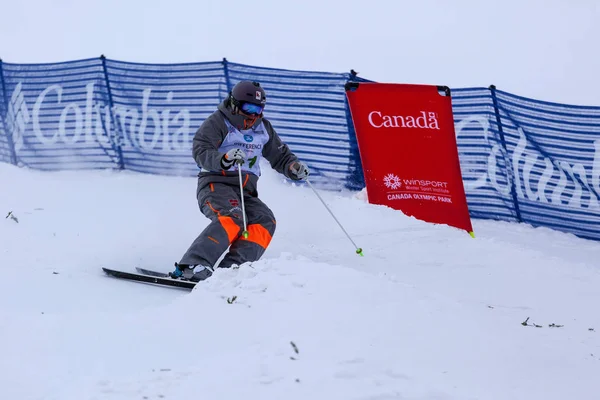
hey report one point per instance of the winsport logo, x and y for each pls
(392, 181)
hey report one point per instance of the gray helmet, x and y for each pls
(248, 92)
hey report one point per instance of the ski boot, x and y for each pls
(182, 272)
(186, 272)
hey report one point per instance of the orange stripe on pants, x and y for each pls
(230, 227)
(258, 234)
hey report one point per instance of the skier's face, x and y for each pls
(249, 119)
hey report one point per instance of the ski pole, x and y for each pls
(358, 249)
(239, 165)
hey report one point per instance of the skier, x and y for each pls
(235, 136)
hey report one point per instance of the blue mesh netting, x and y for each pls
(521, 159)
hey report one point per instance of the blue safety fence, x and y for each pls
(554, 155)
(529, 161)
(101, 113)
(7, 153)
(52, 115)
(522, 160)
(481, 151)
(157, 109)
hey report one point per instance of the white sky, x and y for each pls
(542, 49)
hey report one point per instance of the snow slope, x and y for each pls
(428, 313)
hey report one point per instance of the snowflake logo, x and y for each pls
(392, 181)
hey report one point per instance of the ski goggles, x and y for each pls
(251, 109)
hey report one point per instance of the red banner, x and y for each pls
(408, 150)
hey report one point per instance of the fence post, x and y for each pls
(119, 139)
(503, 141)
(356, 178)
(226, 72)
(9, 136)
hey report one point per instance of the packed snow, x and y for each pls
(428, 312)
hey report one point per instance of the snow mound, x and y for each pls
(427, 313)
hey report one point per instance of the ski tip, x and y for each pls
(472, 234)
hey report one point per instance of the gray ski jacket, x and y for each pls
(210, 136)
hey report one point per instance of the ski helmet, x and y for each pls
(248, 97)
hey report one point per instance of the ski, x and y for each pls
(152, 273)
(155, 280)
